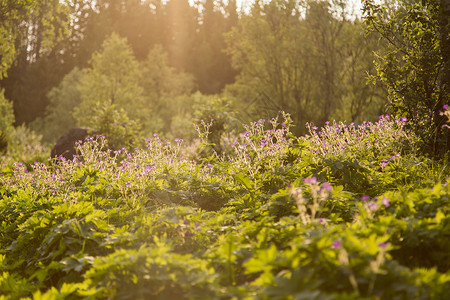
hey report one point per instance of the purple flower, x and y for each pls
(196, 224)
(386, 202)
(310, 180)
(372, 205)
(336, 244)
(185, 222)
(365, 198)
(287, 185)
(445, 106)
(382, 245)
(327, 186)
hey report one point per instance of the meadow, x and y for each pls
(344, 212)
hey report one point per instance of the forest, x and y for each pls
(269, 149)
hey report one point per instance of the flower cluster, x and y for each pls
(309, 209)
(387, 137)
(259, 145)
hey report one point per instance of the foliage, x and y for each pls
(300, 57)
(42, 41)
(118, 96)
(63, 99)
(269, 219)
(412, 65)
(25, 145)
(111, 84)
(6, 121)
(48, 18)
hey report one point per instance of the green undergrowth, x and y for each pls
(346, 212)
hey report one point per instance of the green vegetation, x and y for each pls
(415, 64)
(342, 213)
(344, 194)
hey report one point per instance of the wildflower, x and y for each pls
(196, 224)
(336, 244)
(310, 180)
(382, 245)
(372, 205)
(155, 134)
(327, 186)
(385, 202)
(445, 106)
(365, 198)
(185, 222)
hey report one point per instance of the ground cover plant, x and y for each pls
(344, 212)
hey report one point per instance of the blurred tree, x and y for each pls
(117, 95)
(165, 88)
(111, 88)
(414, 65)
(362, 99)
(63, 99)
(30, 28)
(6, 121)
(212, 66)
(297, 56)
(77, 28)
(30, 32)
(180, 26)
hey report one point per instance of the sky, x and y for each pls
(354, 4)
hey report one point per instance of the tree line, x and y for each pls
(137, 67)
